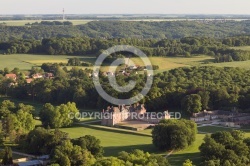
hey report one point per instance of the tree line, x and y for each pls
(187, 47)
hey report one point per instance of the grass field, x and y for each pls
(26, 61)
(247, 48)
(213, 129)
(192, 152)
(128, 140)
(23, 22)
(114, 140)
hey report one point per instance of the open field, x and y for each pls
(247, 48)
(142, 140)
(23, 22)
(240, 64)
(174, 62)
(26, 61)
(114, 140)
(192, 152)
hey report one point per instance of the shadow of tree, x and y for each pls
(114, 150)
(178, 159)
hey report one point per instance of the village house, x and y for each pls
(29, 80)
(11, 76)
(49, 75)
(37, 75)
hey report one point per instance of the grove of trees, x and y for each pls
(225, 148)
(190, 89)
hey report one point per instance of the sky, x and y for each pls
(125, 6)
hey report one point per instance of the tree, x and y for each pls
(69, 154)
(174, 134)
(47, 115)
(6, 70)
(58, 116)
(9, 124)
(6, 107)
(7, 159)
(188, 163)
(139, 157)
(192, 103)
(41, 141)
(226, 147)
(110, 161)
(26, 121)
(74, 62)
(204, 99)
(90, 143)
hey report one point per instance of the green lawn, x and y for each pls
(213, 129)
(114, 140)
(192, 153)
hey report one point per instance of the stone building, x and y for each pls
(137, 112)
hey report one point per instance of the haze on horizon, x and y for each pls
(125, 7)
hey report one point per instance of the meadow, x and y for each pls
(114, 140)
(125, 140)
(246, 48)
(26, 61)
(192, 152)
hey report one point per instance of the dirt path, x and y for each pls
(171, 152)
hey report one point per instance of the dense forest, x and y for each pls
(210, 87)
(133, 29)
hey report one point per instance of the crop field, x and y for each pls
(23, 22)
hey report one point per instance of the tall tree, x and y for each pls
(192, 103)
(7, 159)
